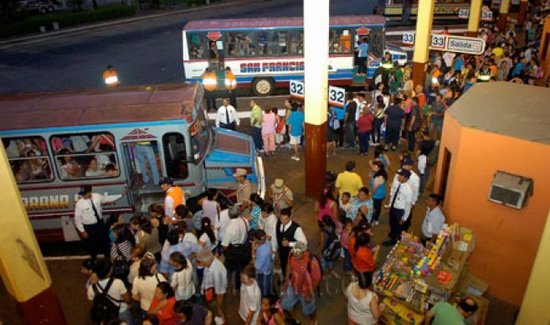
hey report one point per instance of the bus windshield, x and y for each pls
(199, 132)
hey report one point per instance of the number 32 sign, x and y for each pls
(336, 95)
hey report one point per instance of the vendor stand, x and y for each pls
(415, 277)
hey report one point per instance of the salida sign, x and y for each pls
(450, 43)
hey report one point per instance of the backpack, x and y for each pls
(310, 259)
(333, 122)
(333, 248)
(103, 306)
(121, 267)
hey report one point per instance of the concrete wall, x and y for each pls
(507, 239)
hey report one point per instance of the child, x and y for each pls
(249, 306)
(87, 269)
(263, 259)
(280, 128)
(182, 278)
(136, 254)
(344, 239)
(344, 205)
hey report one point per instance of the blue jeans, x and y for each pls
(290, 299)
(126, 316)
(257, 137)
(364, 142)
(346, 265)
(265, 283)
(326, 264)
(146, 152)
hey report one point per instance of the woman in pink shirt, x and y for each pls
(269, 124)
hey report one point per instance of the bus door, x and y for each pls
(215, 52)
(143, 172)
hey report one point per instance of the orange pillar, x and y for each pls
(316, 31)
(475, 16)
(503, 14)
(522, 12)
(22, 266)
(422, 40)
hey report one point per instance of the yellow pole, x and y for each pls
(503, 14)
(534, 308)
(475, 16)
(422, 40)
(316, 43)
(22, 266)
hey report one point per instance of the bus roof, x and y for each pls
(259, 23)
(101, 106)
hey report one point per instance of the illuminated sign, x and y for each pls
(280, 66)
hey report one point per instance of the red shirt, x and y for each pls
(304, 282)
(421, 100)
(361, 259)
(166, 315)
(364, 123)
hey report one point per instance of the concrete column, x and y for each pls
(22, 267)
(534, 308)
(503, 14)
(422, 40)
(522, 12)
(316, 43)
(544, 55)
(475, 16)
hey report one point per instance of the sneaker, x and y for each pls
(261, 150)
(297, 158)
(376, 223)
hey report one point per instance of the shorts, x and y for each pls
(290, 299)
(295, 140)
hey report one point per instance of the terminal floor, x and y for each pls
(69, 284)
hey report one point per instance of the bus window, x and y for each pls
(240, 44)
(296, 42)
(277, 43)
(85, 155)
(28, 159)
(376, 42)
(340, 41)
(175, 155)
(196, 43)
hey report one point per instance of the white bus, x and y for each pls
(268, 52)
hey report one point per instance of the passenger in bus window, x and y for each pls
(80, 142)
(93, 169)
(111, 171)
(22, 171)
(70, 169)
(38, 166)
(11, 148)
(62, 144)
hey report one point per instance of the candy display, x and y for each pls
(415, 277)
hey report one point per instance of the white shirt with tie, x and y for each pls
(404, 199)
(227, 114)
(298, 235)
(84, 213)
(236, 232)
(414, 183)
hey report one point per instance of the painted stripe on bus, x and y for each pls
(58, 214)
(278, 28)
(92, 127)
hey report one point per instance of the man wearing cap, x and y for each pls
(414, 183)
(288, 233)
(88, 219)
(245, 188)
(401, 200)
(174, 196)
(281, 195)
(302, 278)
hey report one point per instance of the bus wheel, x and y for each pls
(263, 86)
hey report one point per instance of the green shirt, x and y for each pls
(256, 116)
(446, 314)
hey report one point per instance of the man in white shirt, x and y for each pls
(237, 249)
(89, 222)
(214, 283)
(414, 183)
(226, 117)
(288, 233)
(401, 201)
(434, 220)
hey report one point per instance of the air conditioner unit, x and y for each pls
(510, 190)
